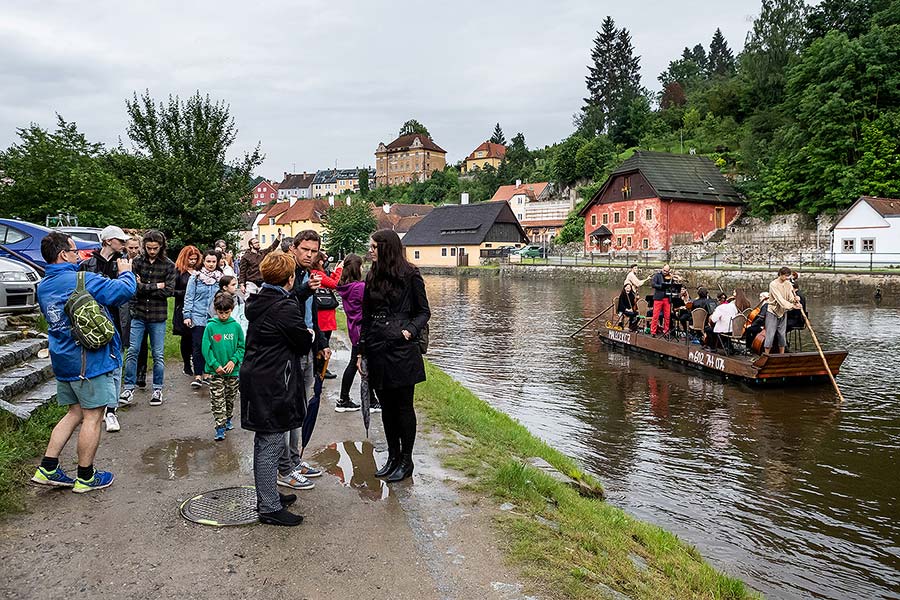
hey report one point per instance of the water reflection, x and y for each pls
(784, 488)
(353, 463)
(182, 457)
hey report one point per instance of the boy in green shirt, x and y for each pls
(223, 350)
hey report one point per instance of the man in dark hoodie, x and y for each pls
(103, 262)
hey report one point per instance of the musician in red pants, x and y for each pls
(661, 302)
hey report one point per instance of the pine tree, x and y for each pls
(698, 55)
(602, 78)
(498, 137)
(721, 59)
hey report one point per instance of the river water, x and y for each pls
(785, 489)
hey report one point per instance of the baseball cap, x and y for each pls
(111, 232)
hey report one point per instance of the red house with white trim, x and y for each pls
(263, 193)
(655, 200)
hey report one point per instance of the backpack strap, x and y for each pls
(79, 284)
(79, 287)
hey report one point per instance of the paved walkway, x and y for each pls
(417, 540)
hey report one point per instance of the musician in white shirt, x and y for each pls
(721, 319)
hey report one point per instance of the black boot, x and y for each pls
(388, 468)
(404, 469)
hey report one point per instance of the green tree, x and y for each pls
(613, 78)
(773, 44)
(497, 137)
(518, 157)
(413, 126)
(187, 186)
(565, 164)
(593, 158)
(348, 227)
(852, 17)
(62, 172)
(364, 182)
(721, 59)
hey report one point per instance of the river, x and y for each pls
(784, 488)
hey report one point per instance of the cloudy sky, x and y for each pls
(322, 83)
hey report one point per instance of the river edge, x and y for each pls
(567, 545)
(851, 286)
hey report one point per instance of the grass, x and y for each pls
(569, 545)
(20, 442)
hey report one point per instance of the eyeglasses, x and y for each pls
(373, 246)
(70, 250)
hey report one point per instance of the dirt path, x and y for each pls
(417, 540)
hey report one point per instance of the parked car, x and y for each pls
(532, 251)
(24, 240)
(18, 286)
(88, 234)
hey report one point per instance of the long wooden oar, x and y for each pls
(822, 354)
(592, 320)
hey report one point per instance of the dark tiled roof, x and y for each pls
(602, 230)
(460, 224)
(886, 207)
(297, 181)
(406, 141)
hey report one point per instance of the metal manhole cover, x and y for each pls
(221, 508)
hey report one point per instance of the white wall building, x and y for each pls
(869, 232)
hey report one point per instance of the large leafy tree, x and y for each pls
(413, 126)
(186, 184)
(348, 227)
(498, 137)
(847, 16)
(62, 172)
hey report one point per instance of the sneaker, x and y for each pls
(345, 405)
(281, 517)
(329, 375)
(196, 384)
(228, 425)
(112, 422)
(308, 470)
(220, 434)
(56, 478)
(100, 480)
(156, 398)
(295, 481)
(142, 380)
(287, 499)
(205, 381)
(187, 371)
(376, 407)
(126, 397)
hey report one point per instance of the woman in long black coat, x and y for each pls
(273, 399)
(395, 310)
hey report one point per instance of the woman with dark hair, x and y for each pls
(627, 306)
(187, 264)
(351, 288)
(394, 312)
(273, 398)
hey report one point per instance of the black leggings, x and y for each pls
(399, 418)
(187, 349)
(349, 374)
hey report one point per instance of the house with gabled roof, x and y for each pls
(868, 232)
(656, 199)
(461, 234)
(488, 153)
(400, 217)
(267, 227)
(263, 193)
(302, 215)
(296, 185)
(409, 158)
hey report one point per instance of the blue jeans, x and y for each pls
(157, 333)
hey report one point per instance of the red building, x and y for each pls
(263, 193)
(655, 200)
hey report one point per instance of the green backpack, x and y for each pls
(90, 325)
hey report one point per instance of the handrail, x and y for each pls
(21, 257)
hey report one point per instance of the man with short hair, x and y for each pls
(249, 277)
(661, 302)
(781, 299)
(633, 279)
(155, 275)
(85, 379)
(103, 262)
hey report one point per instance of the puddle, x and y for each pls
(353, 463)
(179, 458)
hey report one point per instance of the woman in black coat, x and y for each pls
(395, 310)
(185, 266)
(273, 399)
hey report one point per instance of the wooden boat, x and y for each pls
(772, 369)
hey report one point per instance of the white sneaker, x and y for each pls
(156, 398)
(125, 398)
(112, 422)
(295, 481)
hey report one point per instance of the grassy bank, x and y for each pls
(570, 546)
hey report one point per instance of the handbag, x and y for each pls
(325, 299)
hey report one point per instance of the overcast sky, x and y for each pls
(319, 83)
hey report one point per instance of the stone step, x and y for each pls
(24, 376)
(8, 337)
(27, 402)
(21, 350)
(19, 321)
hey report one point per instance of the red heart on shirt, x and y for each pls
(218, 337)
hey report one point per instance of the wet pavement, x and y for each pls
(420, 539)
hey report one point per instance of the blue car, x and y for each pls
(24, 239)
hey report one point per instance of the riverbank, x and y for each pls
(856, 286)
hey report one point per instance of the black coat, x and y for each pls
(303, 292)
(393, 360)
(273, 398)
(181, 283)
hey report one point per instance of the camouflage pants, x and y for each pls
(222, 393)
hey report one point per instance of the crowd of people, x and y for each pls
(780, 309)
(256, 326)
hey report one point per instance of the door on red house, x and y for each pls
(720, 217)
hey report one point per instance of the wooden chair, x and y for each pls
(737, 330)
(698, 321)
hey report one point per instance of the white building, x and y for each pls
(868, 233)
(296, 185)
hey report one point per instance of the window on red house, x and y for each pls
(615, 217)
(631, 216)
(593, 220)
(605, 219)
(645, 243)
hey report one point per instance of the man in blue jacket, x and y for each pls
(86, 395)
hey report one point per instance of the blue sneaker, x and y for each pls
(228, 425)
(100, 480)
(56, 478)
(220, 434)
(307, 470)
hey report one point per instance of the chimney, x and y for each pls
(386, 207)
(464, 198)
(330, 200)
(291, 201)
(518, 183)
(285, 174)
